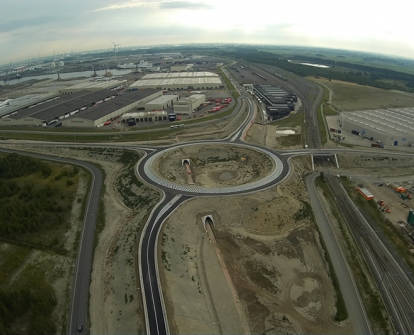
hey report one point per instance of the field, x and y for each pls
(344, 56)
(353, 97)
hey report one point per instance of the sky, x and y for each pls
(33, 28)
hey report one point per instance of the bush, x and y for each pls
(69, 182)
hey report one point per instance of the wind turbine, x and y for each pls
(115, 45)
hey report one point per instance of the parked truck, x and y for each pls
(377, 145)
(356, 133)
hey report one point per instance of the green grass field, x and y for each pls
(338, 56)
(352, 97)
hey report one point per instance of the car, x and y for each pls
(382, 184)
(80, 328)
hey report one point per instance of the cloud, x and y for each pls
(190, 5)
(17, 24)
(129, 4)
(185, 5)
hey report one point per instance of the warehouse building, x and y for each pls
(160, 103)
(57, 109)
(105, 111)
(137, 117)
(199, 74)
(188, 105)
(12, 106)
(279, 102)
(92, 86)
(391, 127)
(179, 68)
(180, 80)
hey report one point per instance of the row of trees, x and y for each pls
(14, 165)
(356, 73)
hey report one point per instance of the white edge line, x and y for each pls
(164, 311)
(140, 244)
(80, 246)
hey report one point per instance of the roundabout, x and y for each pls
(222, 169)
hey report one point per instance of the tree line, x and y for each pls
(356, 73)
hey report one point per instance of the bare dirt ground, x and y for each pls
(115, 302)
(266, 135)
(372, 170)
(214, 165)
(273, 261)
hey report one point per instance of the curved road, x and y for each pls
(80, 291)
(156, 318)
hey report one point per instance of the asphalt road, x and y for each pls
(152, 295)
(349, 290)
(80, 293)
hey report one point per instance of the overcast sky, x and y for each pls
(29, 28)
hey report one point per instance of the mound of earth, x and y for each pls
(216, 165)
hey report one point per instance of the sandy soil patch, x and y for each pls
(273, 256)
(269, 136)
(214, 165)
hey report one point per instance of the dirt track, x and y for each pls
(274, 261)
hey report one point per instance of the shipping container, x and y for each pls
(365, 193)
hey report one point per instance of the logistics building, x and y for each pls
(179, 80)
(188, 105)
(160, 103)
(394, 126)
(106, 111)
(79, 109)
(12, 106)
(133, 118)
(178, 68)
(92, 86)
(279, 102)
(57, 109)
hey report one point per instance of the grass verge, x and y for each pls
(321, 121)
(230, 86)
(364, 281)
(307, 212)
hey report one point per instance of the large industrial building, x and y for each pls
(279, 102)
(105, 111)
(12, 106)
(160, 103)
(393, 127)
(179, 68)
(79, 109)
(187, 105)
(92, 86)
(137, 117)
(179, 80)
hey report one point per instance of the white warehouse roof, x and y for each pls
(176, 81)
(162, 99)
(95, 85)
(398, 121)
(180, 75)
